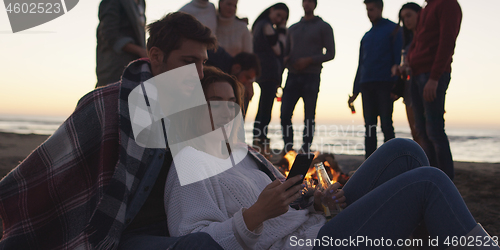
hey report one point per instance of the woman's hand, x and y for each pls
(273, 201)
(330, 197)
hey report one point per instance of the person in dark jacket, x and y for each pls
(268, 45)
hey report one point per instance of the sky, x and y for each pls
(45, 70)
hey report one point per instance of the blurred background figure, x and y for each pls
(204, 11)
(430, 58)
(379, 52)
(269, 35)
(304, 57)
(246, 67)
(408, 16)
(232, 33)
(120, 38)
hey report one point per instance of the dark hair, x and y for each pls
(315, 2)
(379, 3)
(408, 34)
(265, 13)
(168, 33)
(247, 61)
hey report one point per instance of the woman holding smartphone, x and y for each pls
(244, 202)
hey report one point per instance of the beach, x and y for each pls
(477, 182)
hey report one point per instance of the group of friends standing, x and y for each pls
(262, 55)
(298, 48)
(414, 63)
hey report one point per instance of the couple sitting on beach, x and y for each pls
(92, 186)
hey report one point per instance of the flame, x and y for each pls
(290, 157)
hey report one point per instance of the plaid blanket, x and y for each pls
(73, 190)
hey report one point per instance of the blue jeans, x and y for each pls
(392, 192)
(152, 237)
(377, 102)
(429, 122)
(297, 86)
(266, 101)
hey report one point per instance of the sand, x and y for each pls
(479, 183)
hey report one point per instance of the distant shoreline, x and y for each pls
(477, 182)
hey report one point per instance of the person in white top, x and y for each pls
(243, 201)
(232, 33)
(204, 11)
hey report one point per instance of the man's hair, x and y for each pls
(247, 61)
(379, 3)
(169, 32)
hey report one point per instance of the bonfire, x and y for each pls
(311, 180)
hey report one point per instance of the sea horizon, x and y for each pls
(467, 144)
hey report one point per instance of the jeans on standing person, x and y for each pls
(153, 237)
(266, 101)
(429, 122)
(377, 101)
(297, 86)
(392, 192)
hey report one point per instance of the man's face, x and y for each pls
(246, 77)
(308, 6)
(374, 12)
(191, 51)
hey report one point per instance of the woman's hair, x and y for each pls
(265, 13)
(237, 18)
(169, 32)
(408, 34)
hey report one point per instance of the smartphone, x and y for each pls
(300, 167)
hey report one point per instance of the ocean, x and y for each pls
(467, 144)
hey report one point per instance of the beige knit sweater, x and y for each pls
(215, 206)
